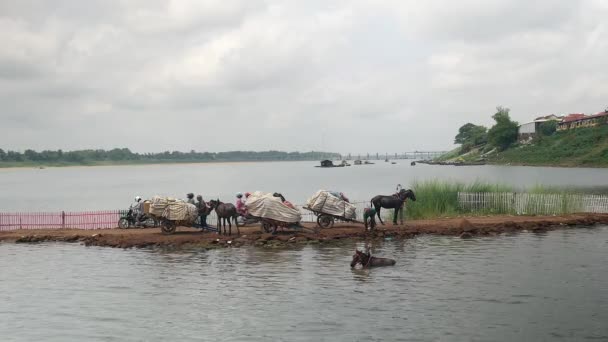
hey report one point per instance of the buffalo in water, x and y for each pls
(392, 202)
(367, 261)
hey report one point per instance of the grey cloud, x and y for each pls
(349, 76)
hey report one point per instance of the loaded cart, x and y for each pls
(273, 213)
(329, 207)
(171, 212)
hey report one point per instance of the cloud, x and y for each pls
(348, 76)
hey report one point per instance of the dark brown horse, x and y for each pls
(225, 212)
(370, 261)
(392, 202)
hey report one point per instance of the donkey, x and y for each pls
(392, 202)
(367, 261)
(225, 212)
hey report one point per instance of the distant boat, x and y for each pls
(393, 163)
(358, 162)
(367, 162)
(329, 163)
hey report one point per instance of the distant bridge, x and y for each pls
(418, 155)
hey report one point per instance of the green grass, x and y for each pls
(437, 198)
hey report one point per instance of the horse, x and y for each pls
(392, 202)
(225, 211)
(368, 261)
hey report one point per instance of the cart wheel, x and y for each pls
(325, 221)
(123, 223)
(168, 227)
(266, 227)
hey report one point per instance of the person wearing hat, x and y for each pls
(190, 199)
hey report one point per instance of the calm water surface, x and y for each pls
(113, 187)
(526, 287)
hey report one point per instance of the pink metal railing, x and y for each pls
(94, 219)
(57, 220)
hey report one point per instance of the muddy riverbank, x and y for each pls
(191, 238)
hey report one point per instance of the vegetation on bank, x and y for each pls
(436, 198)
(574, 147)
(587, 147)
(122, 156)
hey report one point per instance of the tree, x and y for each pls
(504, 131)
(548, 127)
(2, 155)
(470, 134)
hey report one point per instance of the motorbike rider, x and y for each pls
(138, 209)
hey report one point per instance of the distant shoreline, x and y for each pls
(30, 165)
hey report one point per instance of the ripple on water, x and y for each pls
(522, 287)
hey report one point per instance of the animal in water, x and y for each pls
(225, 212)
(392, 202)
(367, 261)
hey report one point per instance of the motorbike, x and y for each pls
(129, 220)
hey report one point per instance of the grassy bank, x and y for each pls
(575, 147)
(582, 147)
(437, 198)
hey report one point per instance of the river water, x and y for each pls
(113, 187)
(524, 287)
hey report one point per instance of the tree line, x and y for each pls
(126, 155)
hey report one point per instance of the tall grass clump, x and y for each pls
(437, 198)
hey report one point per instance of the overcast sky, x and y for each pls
(344, 76)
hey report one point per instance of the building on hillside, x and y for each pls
(581, 120)
(530, 129)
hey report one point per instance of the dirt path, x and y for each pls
(188, 237)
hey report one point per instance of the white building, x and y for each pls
(529, 129)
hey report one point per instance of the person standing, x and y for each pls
(240, 205)
(203, 211)
(369, 215)
(402, 208)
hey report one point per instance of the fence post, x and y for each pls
(63, 220)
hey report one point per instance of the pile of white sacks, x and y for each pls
(267, 206)
(173, 209)
(325, 202)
